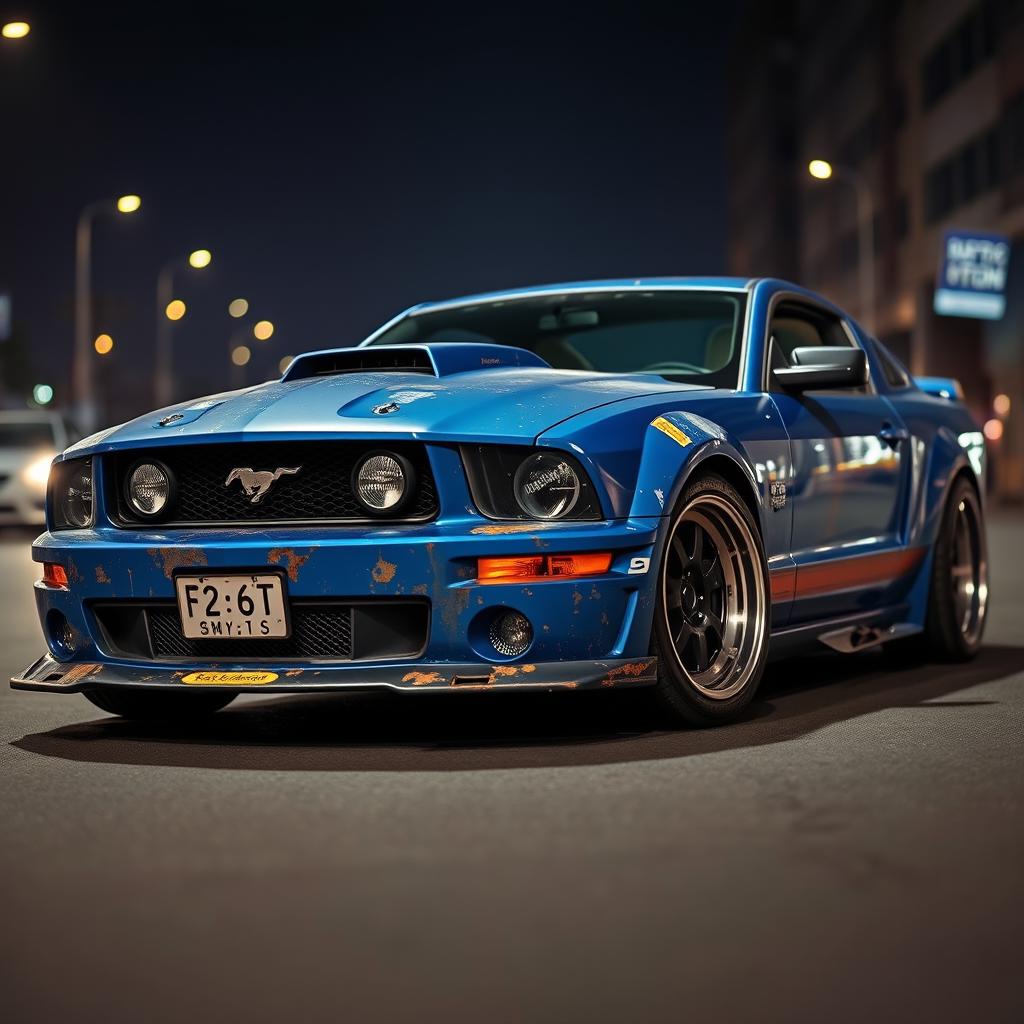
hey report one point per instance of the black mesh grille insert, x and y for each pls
(321, 489)
(323, 631)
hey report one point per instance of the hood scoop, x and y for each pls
(441, 360)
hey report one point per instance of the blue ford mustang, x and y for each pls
(613, 483)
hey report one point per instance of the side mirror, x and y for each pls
(835, 366)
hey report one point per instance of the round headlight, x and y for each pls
(382, 482)
(75, 495)
(546, 486)
(149, 488)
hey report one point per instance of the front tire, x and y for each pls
(156, 705)
(711, 624)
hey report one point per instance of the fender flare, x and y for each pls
(676, 445)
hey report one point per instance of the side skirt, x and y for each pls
(848, 634)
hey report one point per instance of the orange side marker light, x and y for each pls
(55, 576)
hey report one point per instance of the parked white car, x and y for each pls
(28, 443)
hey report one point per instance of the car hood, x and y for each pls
(488, 405)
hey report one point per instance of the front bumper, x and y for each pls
(588, 632)
(51, 676)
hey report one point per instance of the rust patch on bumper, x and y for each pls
(79, 672)
(169, 559)
(423, 678)
(101, 575)
(292, 562)
(500, 529)
(383, 571)
(634, 670)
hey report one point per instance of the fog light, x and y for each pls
(511, 634)
(149, 487)
(382, 482)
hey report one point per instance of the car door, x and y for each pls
(848, 476)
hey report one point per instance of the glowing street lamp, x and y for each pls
(824, 171)
(104, 344)
(168, 311)
(15, 30)
(262, 330)
(237, 308)
(81, 371)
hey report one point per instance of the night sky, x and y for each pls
(344, 165)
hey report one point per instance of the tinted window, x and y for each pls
(895, 375)
(675, 334)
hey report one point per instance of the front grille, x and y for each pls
(318, 632)
(327, 629)
(321, 490)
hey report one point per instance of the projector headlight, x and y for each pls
(71, 497)
(383, 482)
(546, 486)
(148, 489)
(529, 483)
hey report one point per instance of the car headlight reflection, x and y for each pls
(37, 472)
(546, 486)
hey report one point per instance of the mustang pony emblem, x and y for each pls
(255, 484)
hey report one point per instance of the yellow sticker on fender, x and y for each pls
(672, 430)
(229, 678)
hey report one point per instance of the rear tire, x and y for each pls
(958, 588)
(711, 623)
(155, 705)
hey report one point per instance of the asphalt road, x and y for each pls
(854, 849)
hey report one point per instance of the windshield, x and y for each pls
(675, 334)
(26, 434)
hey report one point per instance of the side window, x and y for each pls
(895, 375)
(794, 326)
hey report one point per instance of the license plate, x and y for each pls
(235, 607)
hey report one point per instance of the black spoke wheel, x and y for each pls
(711, 627)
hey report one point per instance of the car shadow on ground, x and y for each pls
(473, 731)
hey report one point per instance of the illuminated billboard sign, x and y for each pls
(972, 275)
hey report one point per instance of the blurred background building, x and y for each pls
(924, 101)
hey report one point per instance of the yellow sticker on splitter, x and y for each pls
(672, 430)
(229, 678)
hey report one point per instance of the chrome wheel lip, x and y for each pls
(744, 615)
(969, 570)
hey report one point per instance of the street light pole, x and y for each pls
(164, 369)
(81, 369)
(823, 170)
(81, 364)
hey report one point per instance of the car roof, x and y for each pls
(613, 284)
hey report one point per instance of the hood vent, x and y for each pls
(440, 360)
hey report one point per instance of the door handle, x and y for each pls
(892, 435)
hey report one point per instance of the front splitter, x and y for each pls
(52, 676)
